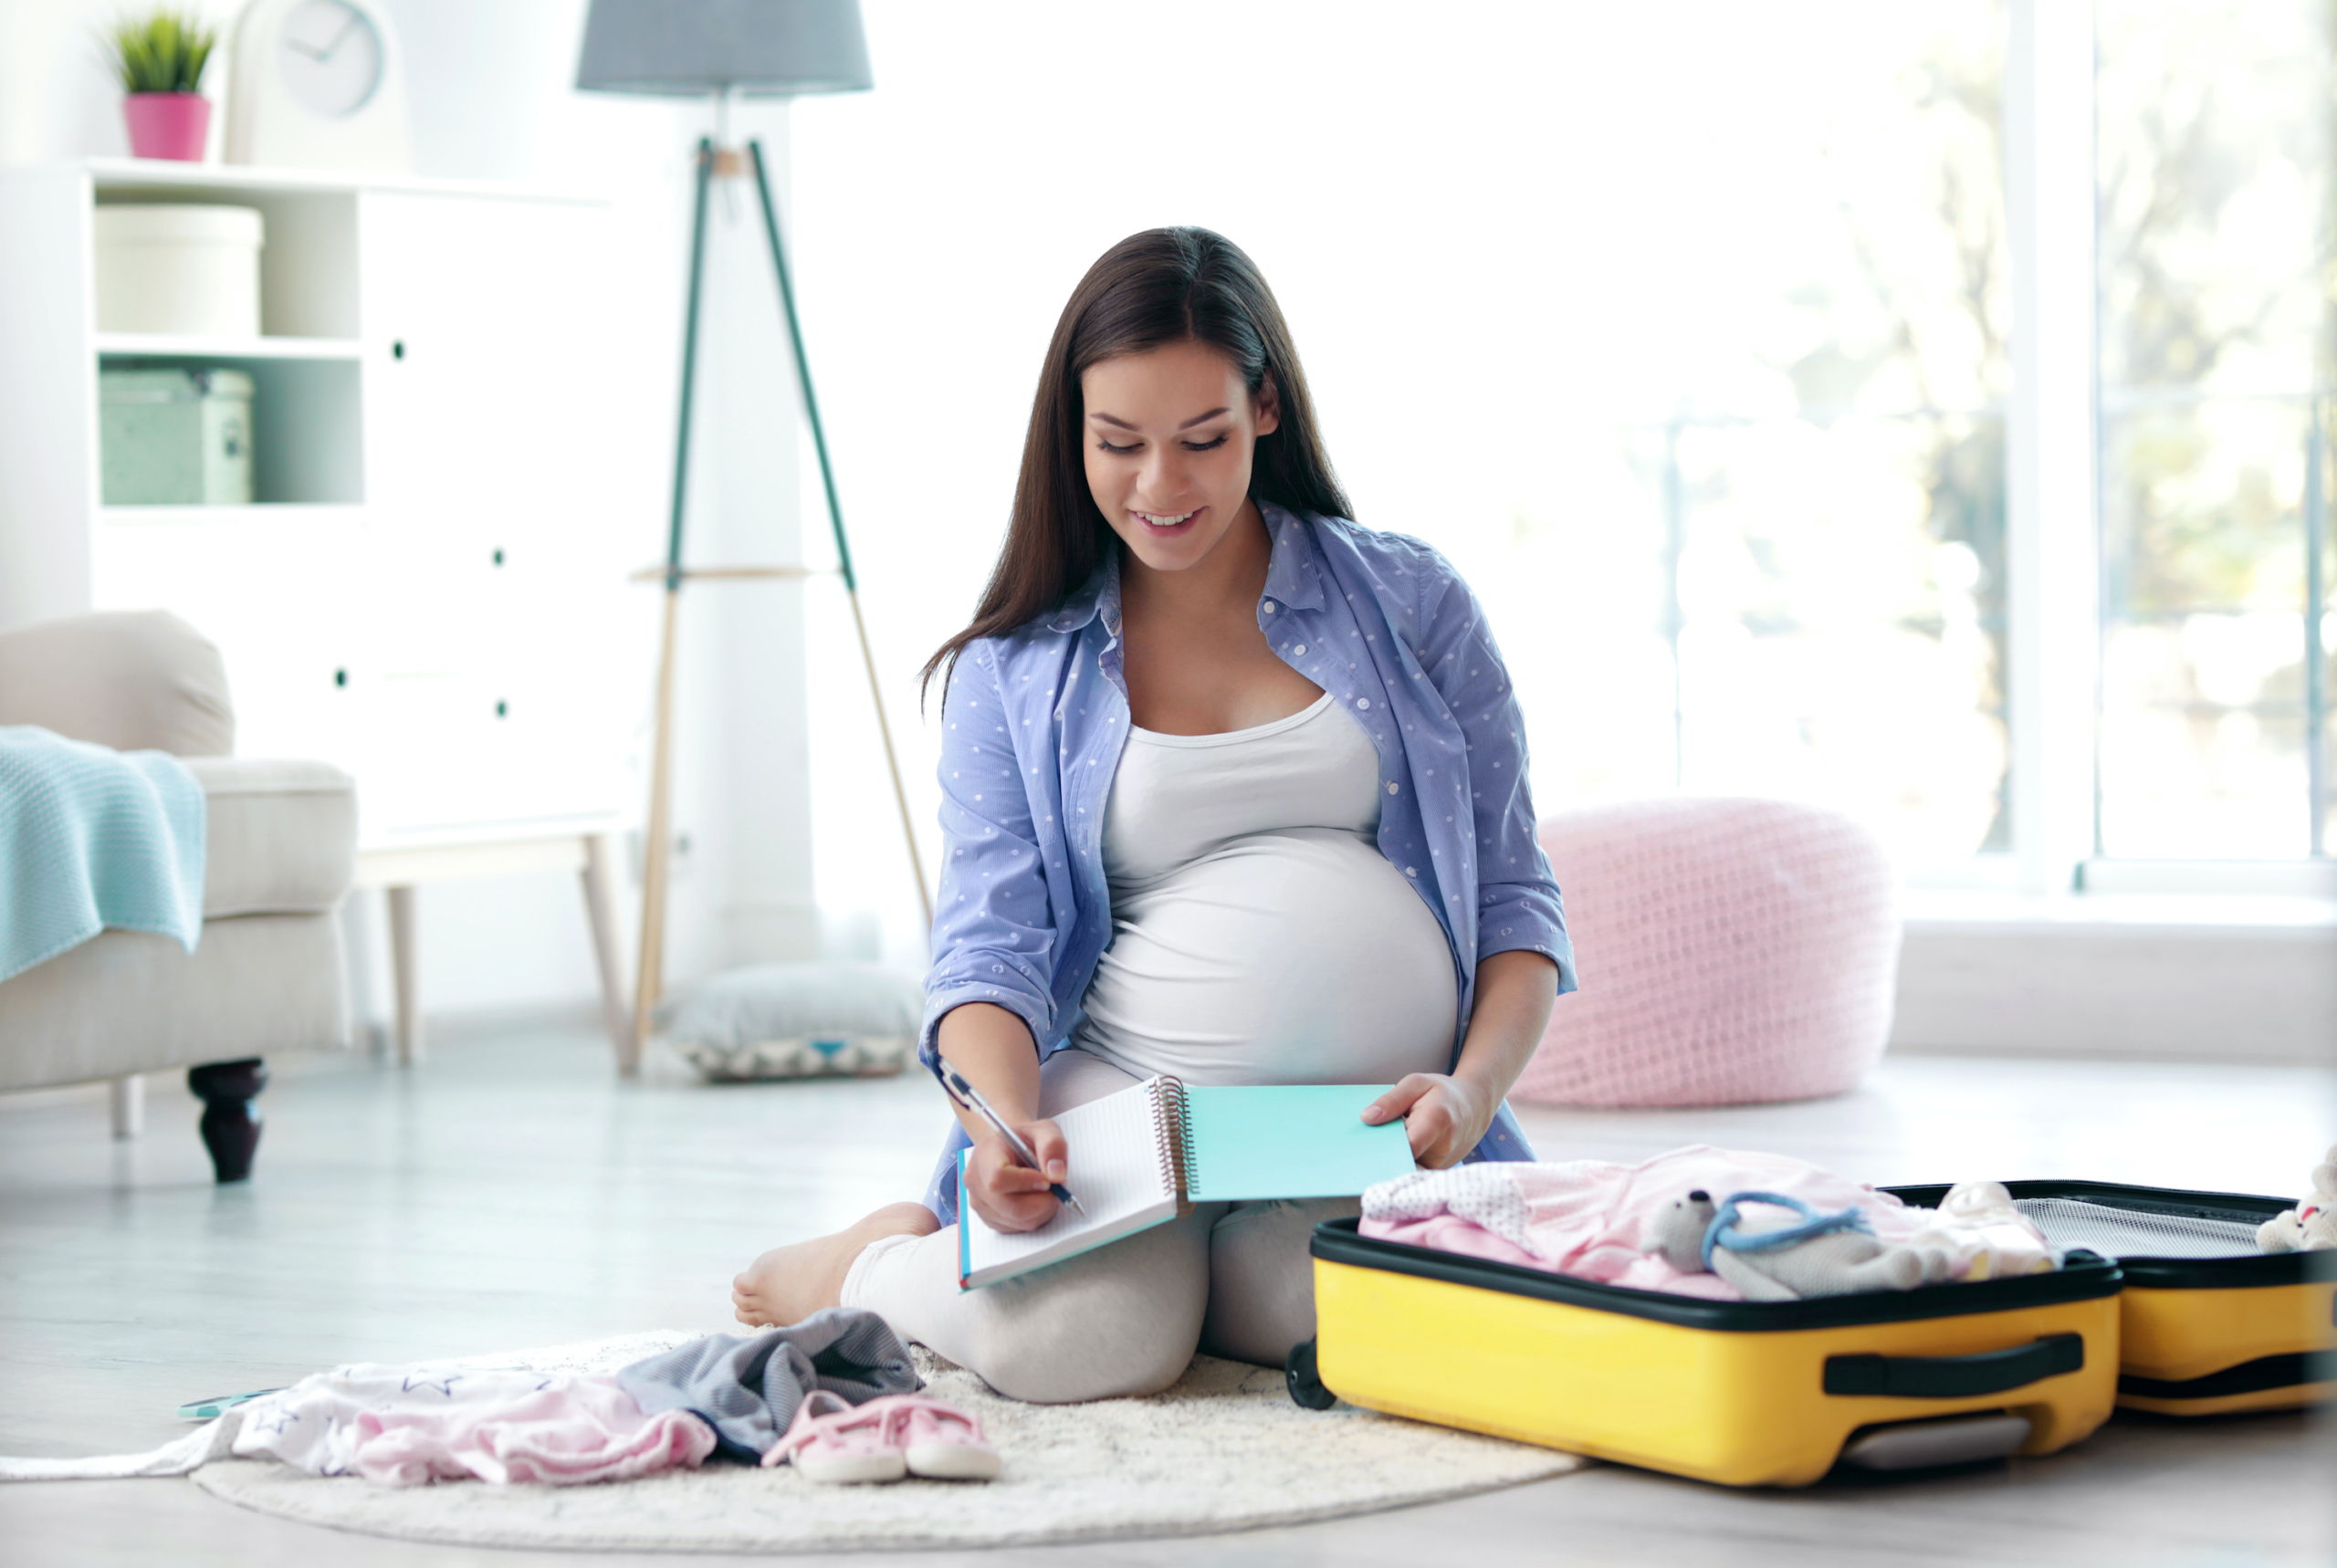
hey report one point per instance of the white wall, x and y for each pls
(58, 98)
(491, 100)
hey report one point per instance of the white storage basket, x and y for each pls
(193, 271)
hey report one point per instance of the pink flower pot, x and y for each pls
(167, 124)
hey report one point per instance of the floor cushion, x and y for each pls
(1730, 952)
(822, 1019)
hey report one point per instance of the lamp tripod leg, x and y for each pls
(891, 760)
(836, 517)
(649, 980)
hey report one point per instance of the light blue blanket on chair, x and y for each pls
(90, 838)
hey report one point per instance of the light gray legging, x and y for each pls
(1233, 1280)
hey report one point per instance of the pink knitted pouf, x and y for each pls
(1730, 952)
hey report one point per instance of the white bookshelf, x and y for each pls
(424, 586)
(165, 345)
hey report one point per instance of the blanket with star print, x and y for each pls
(404, 1426)
(604, 1411)
(411, 1426)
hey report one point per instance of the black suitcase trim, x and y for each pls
(2291, 1369)
(2261, 1271)
(2083, 1278)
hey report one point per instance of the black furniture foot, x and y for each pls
(230, 1119)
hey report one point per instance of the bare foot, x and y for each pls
(787, 1284)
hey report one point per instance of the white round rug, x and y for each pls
(1223, 1449)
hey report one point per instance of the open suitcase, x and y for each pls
(2208, 1325)
(1743, 1393)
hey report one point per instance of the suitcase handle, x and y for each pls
(1955, 1376)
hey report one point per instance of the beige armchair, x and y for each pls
(280, 848)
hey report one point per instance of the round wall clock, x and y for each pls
(318, 84)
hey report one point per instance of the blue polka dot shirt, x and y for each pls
(1032, 726)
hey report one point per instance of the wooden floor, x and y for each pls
(512, 1193)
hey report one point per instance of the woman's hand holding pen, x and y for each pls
(1007, 1193)
(991, 1048)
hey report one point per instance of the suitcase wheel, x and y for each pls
(1305, 1387)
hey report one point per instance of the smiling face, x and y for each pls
(1170, 436)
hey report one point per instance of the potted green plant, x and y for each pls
(160, 58)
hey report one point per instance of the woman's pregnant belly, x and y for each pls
(1293, 957)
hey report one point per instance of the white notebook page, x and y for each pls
(1117, 1170)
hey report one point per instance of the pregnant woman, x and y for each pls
(1233, 788)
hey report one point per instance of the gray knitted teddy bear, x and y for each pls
(1786, 1259)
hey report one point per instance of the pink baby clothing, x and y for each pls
(1586, 1218)
(1590, 1217)
(411, 1426)
(1451, 1233)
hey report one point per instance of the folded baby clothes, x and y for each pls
(747, 1387)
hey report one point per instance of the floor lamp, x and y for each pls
(722, 49)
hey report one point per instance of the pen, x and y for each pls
(966, 1094)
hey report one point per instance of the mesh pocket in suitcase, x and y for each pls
(2070, 1222)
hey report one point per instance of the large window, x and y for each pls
(1841, 619)
(1835, 530)
(1780, 569)
(1691, 337)
(2213, 157)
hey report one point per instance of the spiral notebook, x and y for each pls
(1140, 1157)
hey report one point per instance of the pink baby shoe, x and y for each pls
(884, 1439)
(941, 1442)
(832, 1439)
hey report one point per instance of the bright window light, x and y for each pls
(2214, 138)
(1681, 328)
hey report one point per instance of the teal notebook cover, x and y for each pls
(1307, 1141)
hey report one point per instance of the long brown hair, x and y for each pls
(1154, 288)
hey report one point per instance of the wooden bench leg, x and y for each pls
(600, 907)
(404, 963)
(126, 1098)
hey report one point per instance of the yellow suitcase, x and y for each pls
(2199, 1335)
(1743, 1393)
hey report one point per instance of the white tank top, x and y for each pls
(1259, 936)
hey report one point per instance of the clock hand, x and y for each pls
(338, 38)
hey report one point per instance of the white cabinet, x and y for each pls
(482, 387)
(429, 587)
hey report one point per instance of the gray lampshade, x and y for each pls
(688, 48)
